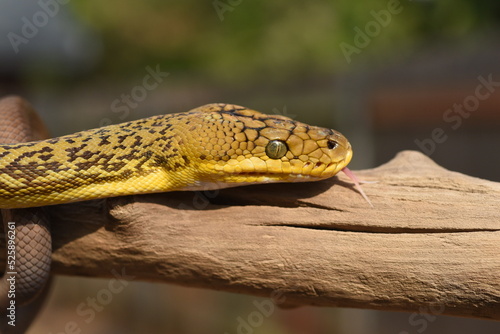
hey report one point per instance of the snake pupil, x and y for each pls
(276, 149)
(332, 144)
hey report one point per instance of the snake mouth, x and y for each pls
(229, 179)
(310, 171)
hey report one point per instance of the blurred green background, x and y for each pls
(382, 72)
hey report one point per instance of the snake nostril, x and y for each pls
(332, 144)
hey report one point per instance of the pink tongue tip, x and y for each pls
(356, 182)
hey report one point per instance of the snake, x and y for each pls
(214, 146)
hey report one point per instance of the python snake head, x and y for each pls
(238, 146)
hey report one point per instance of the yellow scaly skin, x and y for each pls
(213, 146)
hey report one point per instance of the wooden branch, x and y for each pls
(431, 244)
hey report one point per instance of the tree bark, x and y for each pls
(430, 244)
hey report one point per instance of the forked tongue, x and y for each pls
(357, 185)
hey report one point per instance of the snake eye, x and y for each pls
(332, 144)
(276, 149)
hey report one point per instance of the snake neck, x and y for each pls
(130, 158)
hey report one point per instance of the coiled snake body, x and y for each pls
(214, 146)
